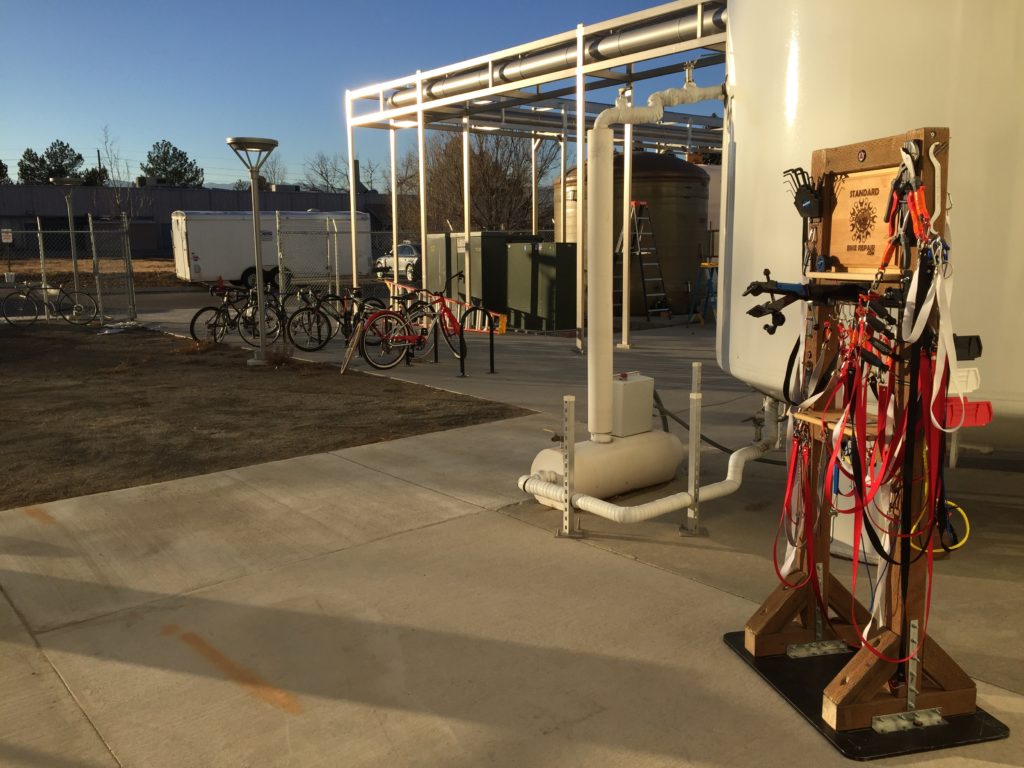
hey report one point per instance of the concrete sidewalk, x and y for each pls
(403, 604)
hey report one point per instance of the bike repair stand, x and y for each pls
(900, 692)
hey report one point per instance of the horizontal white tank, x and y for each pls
(604, 470)
(807, 74)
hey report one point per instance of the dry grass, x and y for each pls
(149, 273)
(195, 347)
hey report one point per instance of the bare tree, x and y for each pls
(372, 174)
(274, 170)
(325, 173)
(499, 180)
(128, 200)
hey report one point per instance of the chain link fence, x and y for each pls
(94, 260)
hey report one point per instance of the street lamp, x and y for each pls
(254, 153)
(69, 183)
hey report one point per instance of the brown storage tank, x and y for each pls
(676, 193)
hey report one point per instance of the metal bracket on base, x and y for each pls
(818, 648)
(570, 518)
(691, 517)
(907, 721)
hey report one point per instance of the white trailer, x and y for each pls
(311, 247)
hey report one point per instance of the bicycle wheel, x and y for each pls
(450, 334)
(362, 311)
(310, 329)
(209, 324)
(249, 326)
(20, 309)
(77, 307)
(385, 339)
(422, 317)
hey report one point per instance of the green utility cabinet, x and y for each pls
(489, 264)
(541, 286)
(442, 262)
(489, 256)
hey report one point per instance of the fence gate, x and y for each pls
(94, 260)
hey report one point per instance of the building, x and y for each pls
(149, 208)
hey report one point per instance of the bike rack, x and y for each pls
(462, 338)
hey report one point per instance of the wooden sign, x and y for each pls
(859, 232)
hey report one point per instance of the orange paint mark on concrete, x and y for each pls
(234, 671)
(169, 629)
(40, 514)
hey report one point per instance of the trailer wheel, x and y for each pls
(273, 278)
(249, 278)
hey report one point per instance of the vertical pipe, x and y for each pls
(71, 235)
(533, 184)
(353, 184)
(600, 152)
(96, 269)
(280, 251)
(337, 257)
(581, 188)
(129, 269)
(467, 212)
(421, 142)
(393, 154)
(327, 252)
(627, 210)
(691, 525)
(42, 268)
(261, 320)
(561, 181)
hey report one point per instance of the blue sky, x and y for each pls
(196, 72)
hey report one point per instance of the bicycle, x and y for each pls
(313, 326)
(392, 334)
(21, 308)
(213, 323)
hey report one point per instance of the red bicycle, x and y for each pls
(389, 335)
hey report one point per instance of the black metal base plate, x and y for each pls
(801, 682)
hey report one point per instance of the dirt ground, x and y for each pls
(149, 273)
(85, 412)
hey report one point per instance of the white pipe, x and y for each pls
(598, 242)
(619, 514)
(600, 149)
(656, 103)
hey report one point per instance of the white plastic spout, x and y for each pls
(600, 150)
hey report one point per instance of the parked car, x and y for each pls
(408, 262)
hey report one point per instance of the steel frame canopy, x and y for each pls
(521, 91)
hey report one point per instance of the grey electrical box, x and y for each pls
(439, 261)
(541, 286)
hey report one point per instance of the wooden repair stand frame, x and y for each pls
(867, 686)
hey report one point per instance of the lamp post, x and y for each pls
(254, 153)
(69, 183)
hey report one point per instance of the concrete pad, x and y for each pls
(40, 723)
(476, 641)
(977, 610)
(477, 464)
(181, 535)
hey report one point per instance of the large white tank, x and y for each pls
(810, 74)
